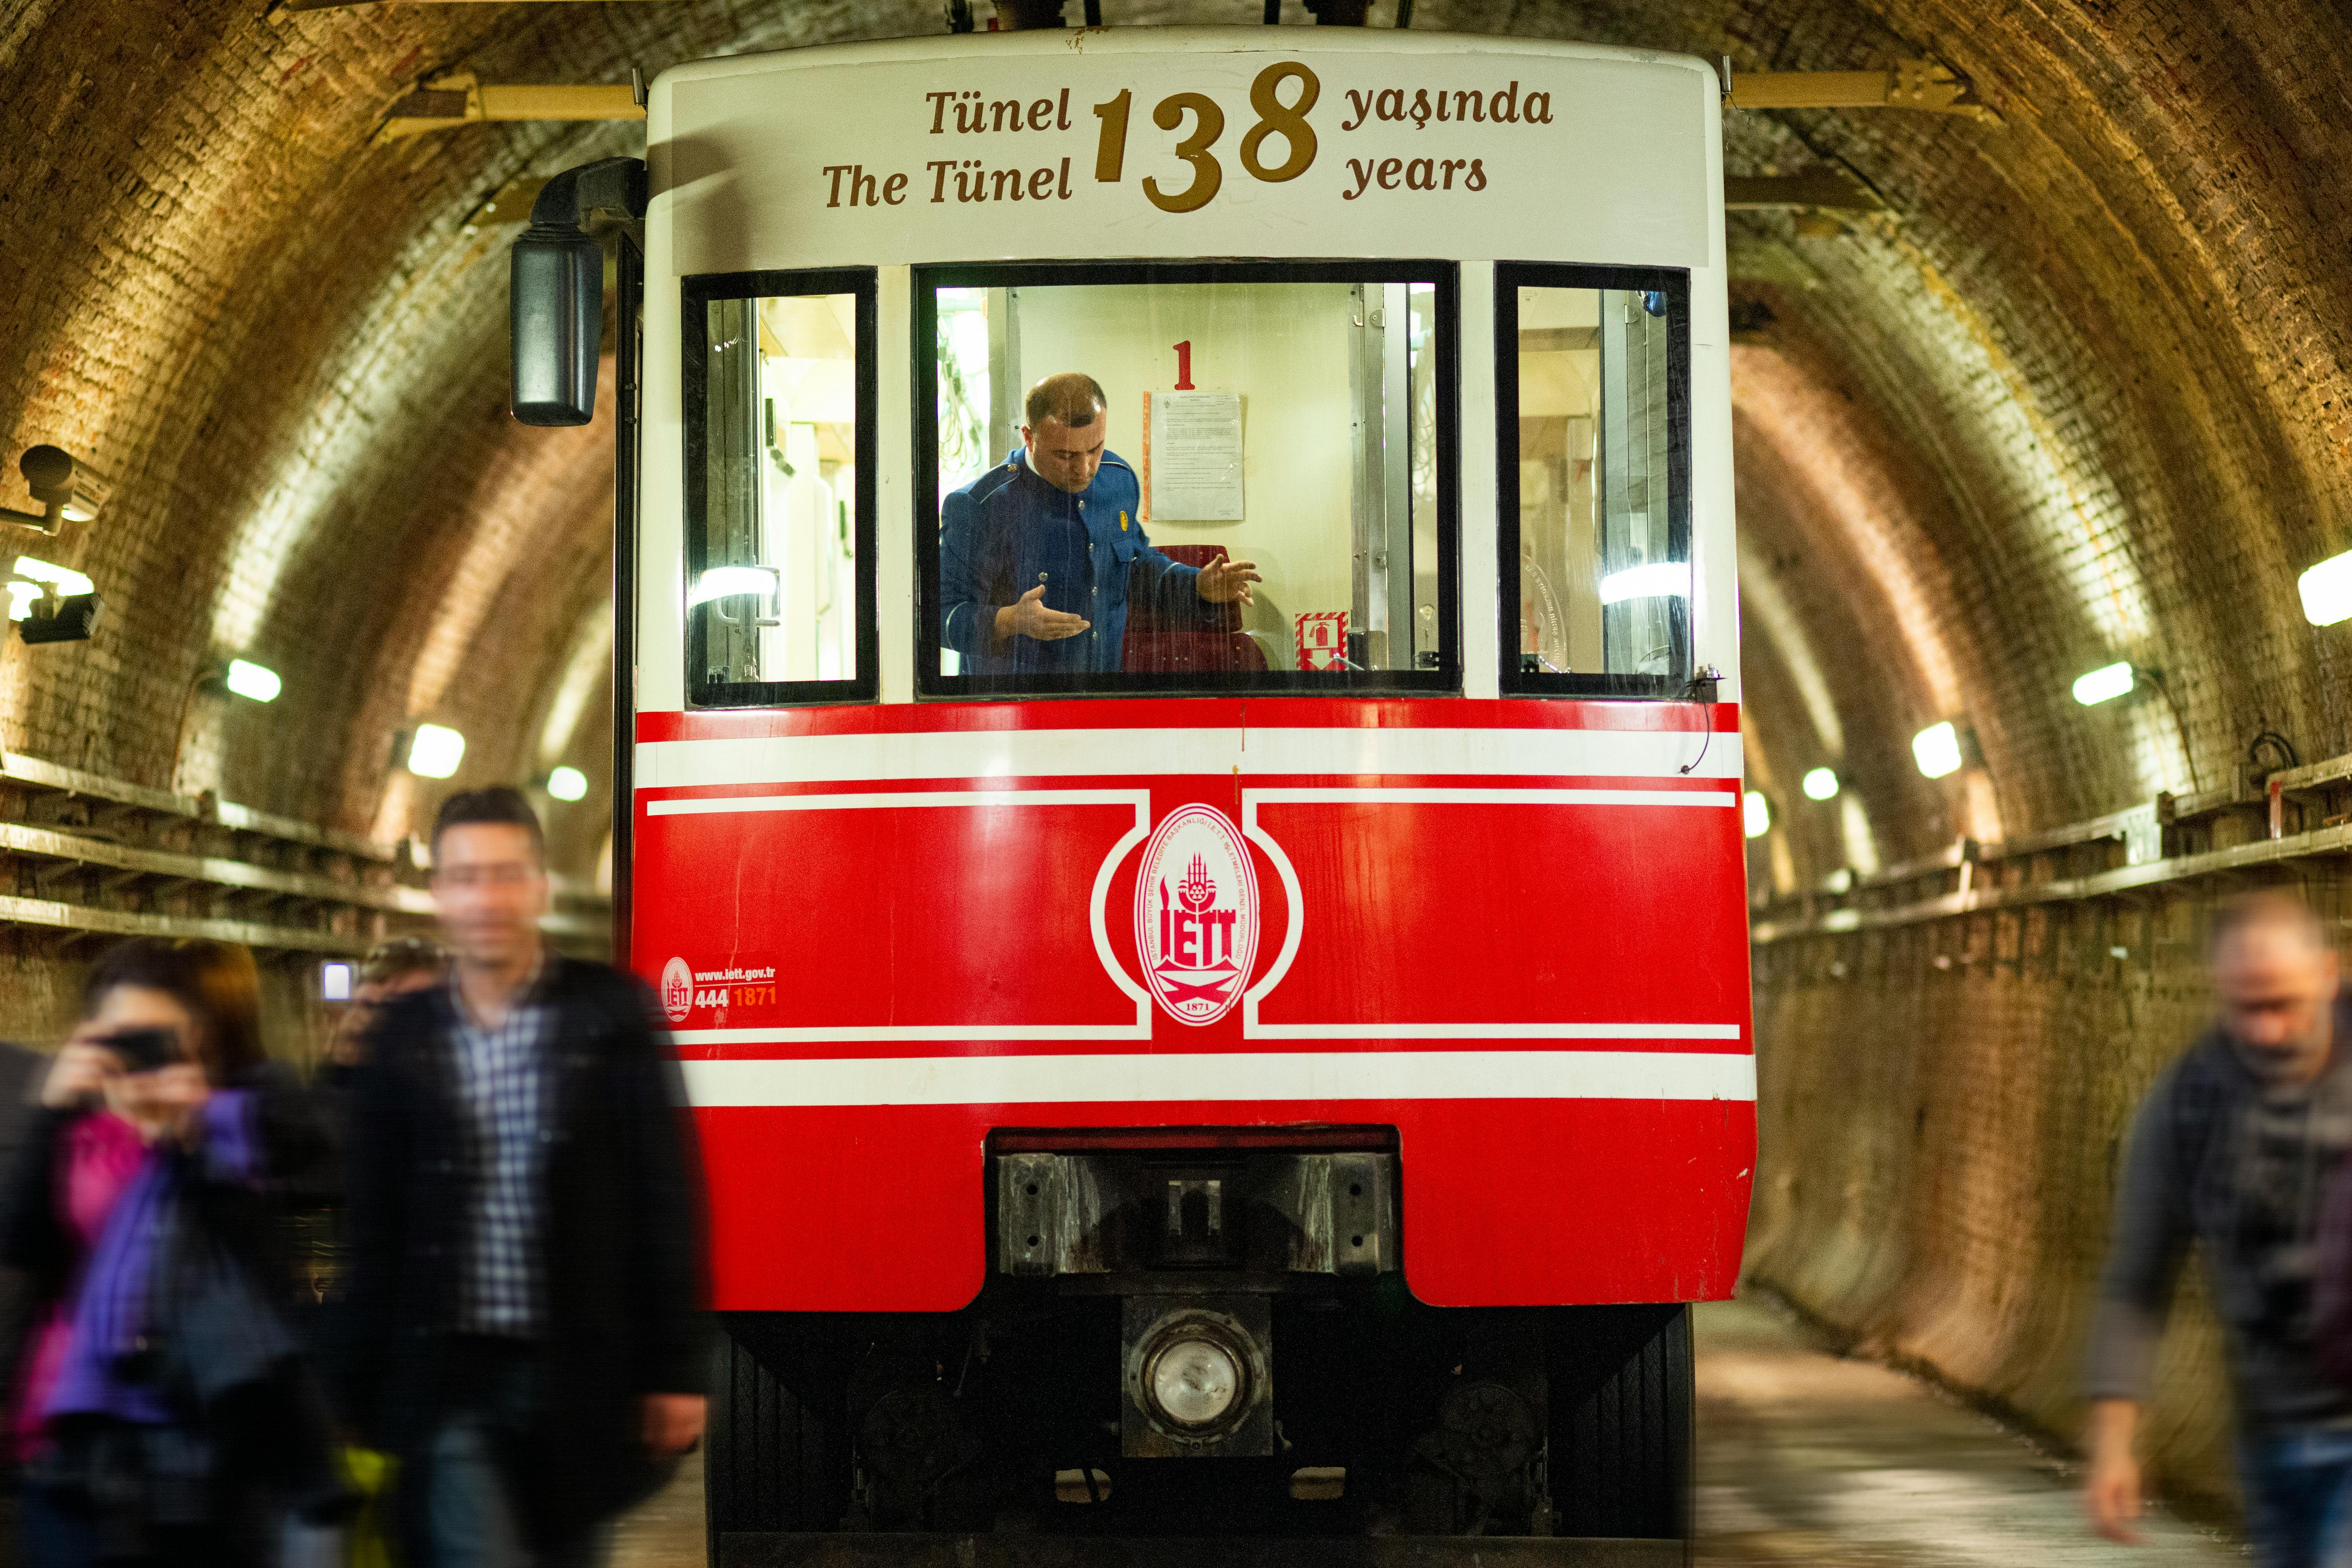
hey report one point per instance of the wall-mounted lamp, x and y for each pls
(1821, 785)
(51, 603)
(30, 579)
(568, 784)
(68, 490)
(1754, 814)
(2104, 685)
(2326, 590)
(255, 683)
(1936, 749)
(434, 750)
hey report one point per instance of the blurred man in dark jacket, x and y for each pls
(2235, 1149)
(524, 1230)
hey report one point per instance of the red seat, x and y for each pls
(1211, 642)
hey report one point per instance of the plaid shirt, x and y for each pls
(503, 1082)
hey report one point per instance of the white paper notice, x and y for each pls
(1196, 457)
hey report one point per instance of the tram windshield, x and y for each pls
(1598, 536)
(778, 422)
(1200, 480)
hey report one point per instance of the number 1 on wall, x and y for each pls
(1184, 365)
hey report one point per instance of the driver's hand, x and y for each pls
(1223, 580)
(1030, 617)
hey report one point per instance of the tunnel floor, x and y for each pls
(1803, 1457)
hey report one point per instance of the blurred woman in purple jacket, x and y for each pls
(164, 1414)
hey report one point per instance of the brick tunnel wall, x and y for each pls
(2075, 390)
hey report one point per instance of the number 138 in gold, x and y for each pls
(1274, 118)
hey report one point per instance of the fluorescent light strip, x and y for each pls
(1286, 1075)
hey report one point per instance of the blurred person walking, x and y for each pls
(2235, 1149)
(524, 1230)
(163, 1413)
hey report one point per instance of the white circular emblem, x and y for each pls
(677, 990)
(1196, 914)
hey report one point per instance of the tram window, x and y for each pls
(1189, 477)
(780, 420)
(1596, 555)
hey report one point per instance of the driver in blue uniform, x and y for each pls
(1040, 556)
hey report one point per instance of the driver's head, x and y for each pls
(2274, 976)
(1063, 430)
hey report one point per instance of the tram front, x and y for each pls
(1185, 801)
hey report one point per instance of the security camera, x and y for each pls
(68, 489)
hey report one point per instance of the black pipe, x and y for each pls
(628, 359)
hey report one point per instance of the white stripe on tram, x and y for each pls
(1304, 1076)
(1082, 753)
(915, 800)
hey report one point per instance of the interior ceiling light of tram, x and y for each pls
(1657, 580)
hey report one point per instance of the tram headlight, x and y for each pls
(1194, 1381)
(1199, 1377)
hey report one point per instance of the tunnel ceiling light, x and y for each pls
(1936, 749)
(568, 784)
(726, 581)
(2104, 685)
(257, 682)
(2326, 590)
(434, 752)
(21, 598)
(1658, 580)
(1757, 815)
(64, 579)
(1821, 785)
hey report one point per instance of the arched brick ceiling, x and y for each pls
(2079, 394)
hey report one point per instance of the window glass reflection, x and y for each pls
(775, 599)
(1604, 587)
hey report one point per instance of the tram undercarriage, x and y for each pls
(1209, 1335)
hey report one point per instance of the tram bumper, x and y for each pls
(1197, 1241)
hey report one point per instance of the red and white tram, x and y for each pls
(1287, 1065)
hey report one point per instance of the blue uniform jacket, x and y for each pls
(998, 533)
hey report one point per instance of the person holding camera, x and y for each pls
(164, 1414)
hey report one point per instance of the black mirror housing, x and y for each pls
(556, 314)
(555, 309)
